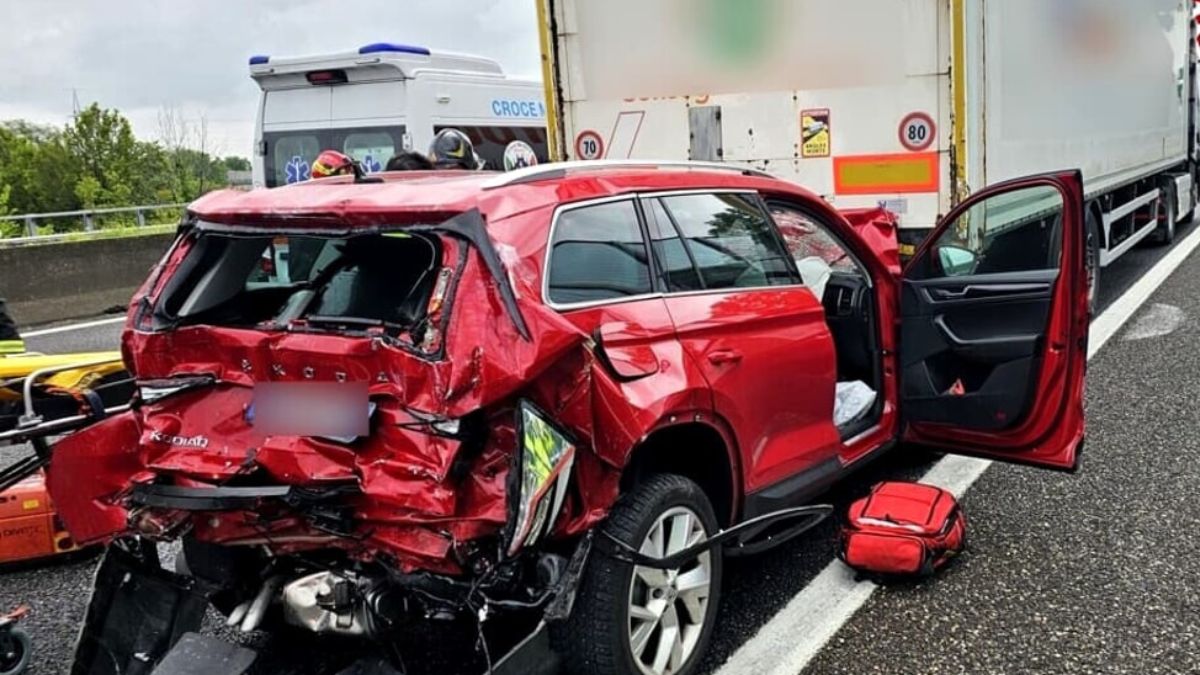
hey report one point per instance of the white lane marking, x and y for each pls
(71, 327)
(1158, 320)
(790, 640)
(808, 621)
(1107, 324)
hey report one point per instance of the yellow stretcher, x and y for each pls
(44, 396)
(20, 366)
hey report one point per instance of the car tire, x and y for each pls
(1092, 253)
(15, 649)
(1165, 234)
(623, 613)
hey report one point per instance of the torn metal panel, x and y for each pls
(89, 473)
(877, 229)
(137, 612)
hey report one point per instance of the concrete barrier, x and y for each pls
(69, 280)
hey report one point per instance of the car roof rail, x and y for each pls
(553, 170)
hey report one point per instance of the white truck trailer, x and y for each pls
(384, 98)
(909, 104)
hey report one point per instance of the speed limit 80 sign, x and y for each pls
(918, 131)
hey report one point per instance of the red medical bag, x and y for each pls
(902, 530)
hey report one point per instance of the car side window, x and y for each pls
(675, 263)
(731, 241)
(807, 238)
(1017, 231)
(598, 253)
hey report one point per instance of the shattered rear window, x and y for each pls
(353, 283)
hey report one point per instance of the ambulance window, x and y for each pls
(372, 148)
(293, 155)
(490, 141)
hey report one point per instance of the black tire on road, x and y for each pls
(1092, 254)
(15, 649)
(596, 638)
(1165, 234)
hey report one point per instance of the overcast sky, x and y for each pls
(140, 55)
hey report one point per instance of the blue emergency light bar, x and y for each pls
(259, 59)
(376, 47)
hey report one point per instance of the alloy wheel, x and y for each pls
(668, 608)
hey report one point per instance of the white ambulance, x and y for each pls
(382, 99)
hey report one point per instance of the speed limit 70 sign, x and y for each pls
(589, 145)
(918, 131)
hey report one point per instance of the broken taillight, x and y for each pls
(540, 475)
(437, 299)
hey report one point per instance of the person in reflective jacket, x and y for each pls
(10, 339)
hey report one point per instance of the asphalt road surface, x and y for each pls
(1092, 573)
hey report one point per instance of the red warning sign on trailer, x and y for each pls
(918, 131)
(589, 145)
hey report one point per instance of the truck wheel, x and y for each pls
(1165, 234)
(14, 652)
(1093, 261)
(631, 620)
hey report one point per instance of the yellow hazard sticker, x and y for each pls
(907, 249)
(815, 134)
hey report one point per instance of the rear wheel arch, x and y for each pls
(695, 450)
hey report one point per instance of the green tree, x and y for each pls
(96, 161)
(236, 164)
(101, 144)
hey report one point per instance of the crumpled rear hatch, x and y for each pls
(418, 319)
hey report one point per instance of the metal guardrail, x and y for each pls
(86, 215)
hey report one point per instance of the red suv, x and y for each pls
(435, 395)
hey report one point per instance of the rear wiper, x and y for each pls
(356, 321)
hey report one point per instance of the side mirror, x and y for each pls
(956, 261)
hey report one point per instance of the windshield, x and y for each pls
(322, 283)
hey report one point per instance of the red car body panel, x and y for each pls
(725, 360)
(755, 349)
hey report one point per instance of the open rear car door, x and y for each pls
(994, 326)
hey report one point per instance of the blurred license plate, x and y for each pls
(337, 410)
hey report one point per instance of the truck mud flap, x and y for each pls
(197, 654)
(138, 611)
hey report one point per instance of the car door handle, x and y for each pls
(722, 357)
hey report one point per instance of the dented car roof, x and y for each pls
(405, 197)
